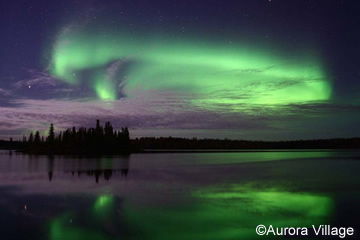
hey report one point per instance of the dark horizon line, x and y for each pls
(105, 139)
(247, 140)
(222, 139)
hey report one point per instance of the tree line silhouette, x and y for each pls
(106, 173)
(172, 143)
(105, 140)
(98, 140)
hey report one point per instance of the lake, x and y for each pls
(176, 196)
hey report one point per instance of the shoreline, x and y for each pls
(177, 151)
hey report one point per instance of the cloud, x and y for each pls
(37, 78)
(4, 92)
(155, 111)
(170, 113)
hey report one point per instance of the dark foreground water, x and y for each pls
(176, 196)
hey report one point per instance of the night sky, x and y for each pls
(256, 69)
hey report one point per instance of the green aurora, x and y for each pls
(211, 73)
(230, 212)
(61, 228)
(104, 205)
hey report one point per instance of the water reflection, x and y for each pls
(212, 213)
(106, 173)
(50, 167)
(230, 213)
(41, 216)
(95, 168)
(101, 221)
(226, 212)
(174, 196)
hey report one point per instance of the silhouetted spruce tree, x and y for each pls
(126, 138)
(37, 137)
(31, 138)
(126, 133)
(98, 140)
(59, 138)
(51, 137)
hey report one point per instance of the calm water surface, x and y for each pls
(175, 196)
